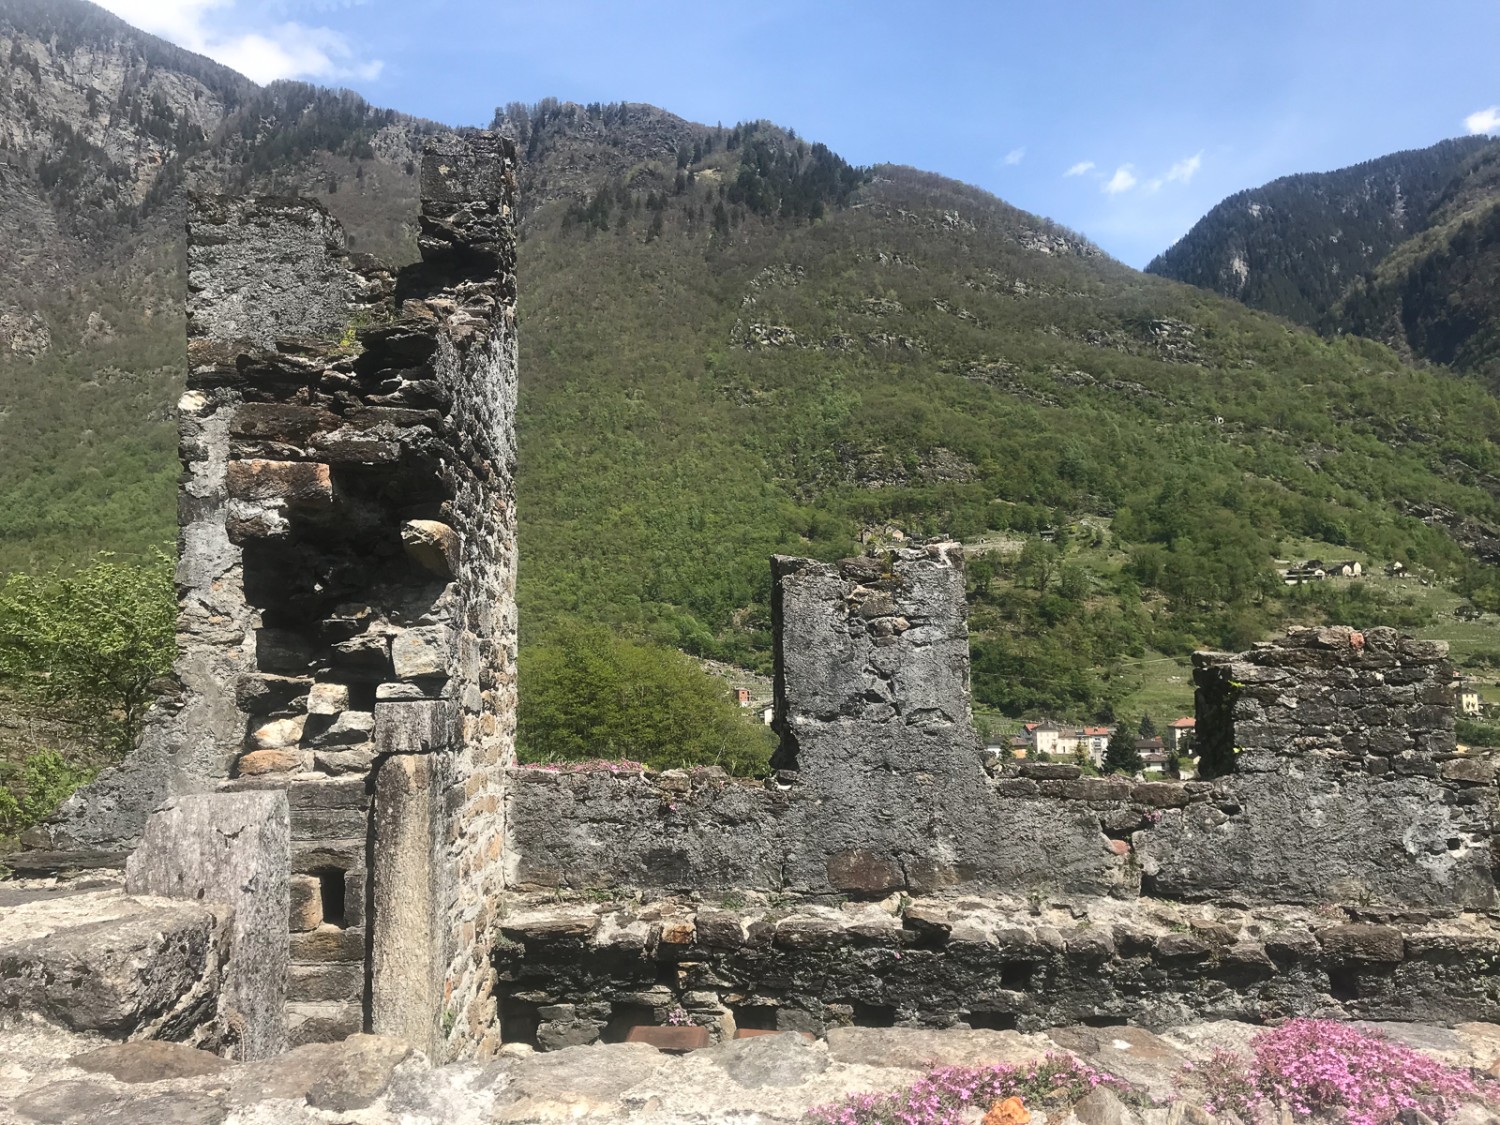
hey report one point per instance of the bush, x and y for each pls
(590, 695)
(88, 646)
(46, 780)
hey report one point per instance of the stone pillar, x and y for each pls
(872, 706)
(230, 848)
(405, 984)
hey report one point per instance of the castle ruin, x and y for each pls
(338, 768)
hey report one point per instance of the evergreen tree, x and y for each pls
(1121, 756)
(1148, 728)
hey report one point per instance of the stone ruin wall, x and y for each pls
(347, 672)
(1348, 786)
(347, 627)
(1338, 865)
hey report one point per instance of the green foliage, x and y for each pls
(588, 694)
(45, 780)
(1472, 733)
(1121, 756)
(89, 645)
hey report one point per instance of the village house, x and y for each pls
(1180, 733)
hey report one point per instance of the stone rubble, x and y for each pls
(51, 1077)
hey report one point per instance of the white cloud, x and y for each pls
(1016, 155)
(1079, 169)
(1123, 180)
(1484, 120)
(1181, 172)
(263, 54)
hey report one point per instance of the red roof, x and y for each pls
(1184, 723)
(1090, 732)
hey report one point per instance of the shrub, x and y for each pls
(88, 646)
(47, 779)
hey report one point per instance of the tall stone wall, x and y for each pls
(347, 626)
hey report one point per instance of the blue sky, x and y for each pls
(1159, 108)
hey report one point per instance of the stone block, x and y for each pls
(306, 911)
(864, 871)
(117, 966)
(278, 734)
(328, 943)
(330, 981)
(231, 848)
(327, 699)
(431, 545)
(268, 763)
(415, 727)
(421, 652)
(349, 729)
(263, 693)
(295, 485)
(1363, 942)
(1471, 771)
(274, 421)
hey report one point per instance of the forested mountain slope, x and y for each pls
(1400, 248)
(733, 344)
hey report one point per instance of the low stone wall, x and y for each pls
(578, 974)
(1341, 782)
(1398, 841)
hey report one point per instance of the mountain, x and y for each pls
(1400, 248)
(735, 344)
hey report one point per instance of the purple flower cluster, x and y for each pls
(1333, 1070)
(940, 1097)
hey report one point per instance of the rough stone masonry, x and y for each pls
(336, 774)
(347, 629)
(1336, 859)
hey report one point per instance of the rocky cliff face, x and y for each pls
(1392, 248)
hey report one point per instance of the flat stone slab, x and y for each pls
(111, 963)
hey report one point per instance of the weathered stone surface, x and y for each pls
(770, 1060)
(420, 652)
(328, 699)
(1363, 943)
(232, 848)
(306, 897)
(266, 763)
(263, 270)
(575, 1083)
(1144, 1060)
(113, 964)
(431, 545)
(916, 1048)
(414, 726)
(278, 734)
(358, 1072)
(406, 993)
(149, 1061)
